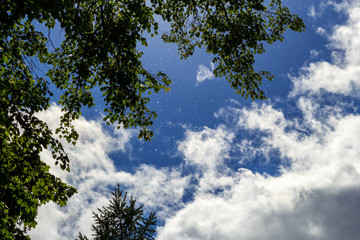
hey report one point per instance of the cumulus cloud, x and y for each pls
(206, 151)
(317, 193)
(342, 75)
(315, 196)
(94, 174)
(204, 73)
(160, 190)
(207, 148)
(269, 208)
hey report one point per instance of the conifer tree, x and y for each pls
(122, 220)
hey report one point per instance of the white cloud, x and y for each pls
(161, 190)
(317, 194)
(315, 197)
(204, 73)
(321, 31)
(94, 174)
(341, 76)
(207, 148)
(314, 53)
(319, 10)
(312, 11)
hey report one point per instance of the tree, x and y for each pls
(233, 31)
(99, 52)
(122, 220)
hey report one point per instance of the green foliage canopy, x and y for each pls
(100, 50)
(232, 31)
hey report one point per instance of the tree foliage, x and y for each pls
(99, 51)
(122, 220)
(232, 31)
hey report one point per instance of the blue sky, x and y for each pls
(222, 167)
